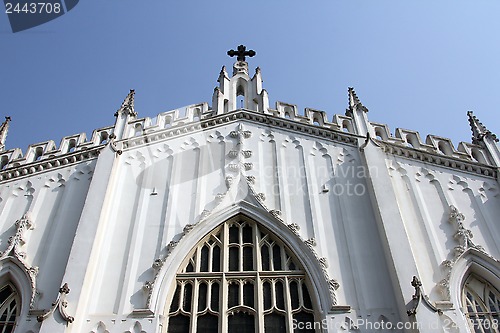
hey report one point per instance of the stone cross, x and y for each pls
(241, 53)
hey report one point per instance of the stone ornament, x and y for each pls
(60, 304)
(14, 245)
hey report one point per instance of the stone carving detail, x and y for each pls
(229, 181)
(148, 286)
(333, 284)
(14, 250)
(241, 134)
(247, 153)
(60, 304)
(100, 328)
(158, 263)
(295, 228)
(310, 242)
(233, 167)
(261, 197)
(276, 213)
(463, 237)
(419, 296)
(137, 328)
(204, 214)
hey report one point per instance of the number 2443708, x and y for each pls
(33, 8)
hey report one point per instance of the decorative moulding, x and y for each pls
(14, 250)
(259, 118)
(461, 164)
(463, 237)
(50, 163)
(157, 265)
(419, 296)
(60, 304)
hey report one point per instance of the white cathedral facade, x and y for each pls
(248, 218)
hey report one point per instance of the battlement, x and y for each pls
(433, 144)
(194, 113)
(248, 90)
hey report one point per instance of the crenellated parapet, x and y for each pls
(409, 142)
(481, 156)
(43, 155)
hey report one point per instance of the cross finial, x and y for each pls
(241, 53)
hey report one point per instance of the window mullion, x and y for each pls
(259, 304)
(259, 298)
(197, 264)
(210, 257)
(288, 307)
(223, 282)
(240, 251)
(194, 306)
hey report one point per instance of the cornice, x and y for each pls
(234, 116)
(43, 165)
(448, 162)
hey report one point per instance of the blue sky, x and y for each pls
(415, 64)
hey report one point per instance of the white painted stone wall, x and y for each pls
(369, 213)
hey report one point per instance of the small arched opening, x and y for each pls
(71, 146)
(38, 154)
(444, 148)
(4, 162)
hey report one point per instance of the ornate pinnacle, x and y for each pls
(4, 128)
(479, 131)
(127, 106)
(354, 101)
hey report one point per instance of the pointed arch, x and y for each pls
(481, 304)
(10, 304)
(240, 276)
(320, 287)
(472, 264)
(14, 279)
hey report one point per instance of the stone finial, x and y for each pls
(222, 74)
(479, 131)
(4, 128)
(354, 102)
(127, 106)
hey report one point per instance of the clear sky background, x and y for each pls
(415, 64)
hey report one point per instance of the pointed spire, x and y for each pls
(223, 74)
(354, 101)
(479, 131)
(4, 128)
(128, 105)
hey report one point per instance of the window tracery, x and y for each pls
(241, 278)
(481, 303)
(9, 308)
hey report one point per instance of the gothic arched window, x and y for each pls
(241, 278)
(481, 302)
(9, 308)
